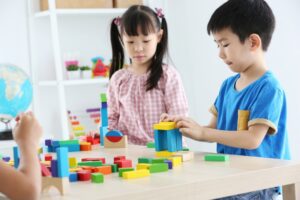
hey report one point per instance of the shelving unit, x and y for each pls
(51, 35)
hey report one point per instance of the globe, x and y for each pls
(15, 91)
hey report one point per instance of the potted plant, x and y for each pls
(73, 72)
(86, 72)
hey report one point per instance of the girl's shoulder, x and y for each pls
(169, 71)
(119, 75)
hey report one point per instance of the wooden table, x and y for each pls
(194, 179)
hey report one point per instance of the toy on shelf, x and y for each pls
(72, 68)
(99, 68)
(86, 72)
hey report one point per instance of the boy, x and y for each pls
(249, 114)
(26, 182)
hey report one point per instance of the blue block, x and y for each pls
(171, 140)
(16, 157)
(115, 133)
(73, 177)
(74, 147)
(160, 138)
(62, 162)
(103, 105)
(103, 132)
(178, 140)
(50, 149)
(55, 143)
(104, 117)
(54, 168)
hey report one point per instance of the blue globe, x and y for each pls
(15, 91)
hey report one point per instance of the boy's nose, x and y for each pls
(221, 54)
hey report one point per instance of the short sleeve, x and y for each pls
(175, 98)
(268, 108)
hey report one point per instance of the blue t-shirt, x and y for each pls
(261, 102)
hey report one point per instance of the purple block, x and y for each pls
(104, 105)
(54, 172)
(48, 142)
(6, 159)
(170, 165)
(93, 110)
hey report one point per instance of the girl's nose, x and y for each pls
(138, 47)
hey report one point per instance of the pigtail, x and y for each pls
(117, 48)
(157, 62)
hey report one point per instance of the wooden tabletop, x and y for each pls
(196, 179)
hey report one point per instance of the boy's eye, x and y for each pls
(225, 45)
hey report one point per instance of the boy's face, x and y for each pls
(235, 54)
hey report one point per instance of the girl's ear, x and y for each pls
(159, 35)
(255, 42)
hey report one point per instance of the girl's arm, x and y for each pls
(113, 105)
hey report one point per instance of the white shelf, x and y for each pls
(102, 81)
(101, 11)
(48, 83)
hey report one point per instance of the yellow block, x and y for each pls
(72, 162)
(136, 174)
(78, 128)
(163, 154)
(164, 126)
(76, 169)
(176, 160)
(140, 166)
(185, 155)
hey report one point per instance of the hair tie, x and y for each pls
(117, 21)
(159, 12)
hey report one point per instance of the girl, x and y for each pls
(140, 92)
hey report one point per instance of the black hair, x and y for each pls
(244, 17)
(144, 17)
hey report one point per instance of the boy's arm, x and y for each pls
(249, 139)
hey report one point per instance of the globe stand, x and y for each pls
(6, 134)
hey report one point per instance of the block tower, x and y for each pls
(167, 137)
(104, 118)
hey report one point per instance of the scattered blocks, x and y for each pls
(216, 157)
(122, 170)
(150, 145)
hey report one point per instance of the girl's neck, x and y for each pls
(138, 68)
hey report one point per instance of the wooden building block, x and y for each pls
(122, 143)
(164, 126)
(97, 178)
(62, 184)
(122, 170)
(216, 157)
(136, 174)
(185, 155)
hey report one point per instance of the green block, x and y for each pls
(114, 167)
(103, 97)
(121, 170)
(158, 167)
(216, 157)
(150, 145)
(90, 163)
(144, 160)
(185, 149)
(158, 160)
(97, 178)
(68, 142)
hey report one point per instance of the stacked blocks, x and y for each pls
(115, 139)
(104, 118)
(167, 137)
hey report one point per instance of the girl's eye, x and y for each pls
(146, 41)
(130, 42)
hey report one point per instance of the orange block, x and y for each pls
(85, 147)
(103, 169)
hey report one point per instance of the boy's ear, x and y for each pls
(255, 41)
(159, 35)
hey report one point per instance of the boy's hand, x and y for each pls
(190, 128)
(27, 130)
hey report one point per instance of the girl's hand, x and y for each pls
(167, 118)
(190, 128)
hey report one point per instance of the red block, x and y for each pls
(93, 159)
(84, 175)
(45, 170)
(123, 163)
(48, 157)
(116, 158)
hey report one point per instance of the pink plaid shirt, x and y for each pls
(133, 110)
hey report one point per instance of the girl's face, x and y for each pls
(141, 48)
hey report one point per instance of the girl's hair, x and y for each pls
(139, 16)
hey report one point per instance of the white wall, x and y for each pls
(196, 56)
(193, 52)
